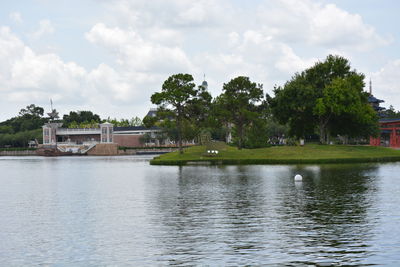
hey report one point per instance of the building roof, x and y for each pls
(389, 120)
(152, 112)
(372, 99)
(135, 128)
(204, 84)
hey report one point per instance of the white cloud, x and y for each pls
(222, 39)
(25, 74)
(134, 52)
(16, 17)
(145, 43)
(45, 27)
(318, 24)
(173, 13)
(27, 77)
(385, 83)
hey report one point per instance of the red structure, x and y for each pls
(390, 133)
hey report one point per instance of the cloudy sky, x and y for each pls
(109, 56)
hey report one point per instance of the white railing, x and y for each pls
(76, 148)
(87, 148)
(72, 131)
(84, 143)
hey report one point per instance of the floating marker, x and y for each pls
(298, 177)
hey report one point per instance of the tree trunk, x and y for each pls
(178, 125)
(321, 133)
(228, 136)
(328, 135)
(323, 129)
(240, 133)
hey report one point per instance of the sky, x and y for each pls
(110, 56)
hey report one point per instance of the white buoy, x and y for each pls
(298, 177)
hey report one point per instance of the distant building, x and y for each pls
(137, 136)
(389, 128)
(53, 134)
(375, 102)
(82, 140)
(389, 133)
(106, 133)
(152, 112)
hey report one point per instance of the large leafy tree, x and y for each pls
(199, 108)
(176, 95)
(29, 118)
(134, 121)
(79, 117)
(343, 109)
(391, 113)
(293, 105)
(32, 110)
(219, 120)
(324, 97)
(19, 130)
(240, 97)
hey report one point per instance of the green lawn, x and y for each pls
(281, 155)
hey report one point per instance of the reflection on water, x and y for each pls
(121, 211)
(327, 214)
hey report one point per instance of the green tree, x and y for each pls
(391, 113)
(32, 110)
(176, 94)
(219, 120)
(29, 118)
(80, 117)
(136, 121)
(343, 109)
(319, 97)
(6, 129)
(293, 105)
(240, 97)
(263, 128)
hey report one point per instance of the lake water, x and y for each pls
(120, 211)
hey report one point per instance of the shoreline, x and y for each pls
(309, 154)
(121, 152)
(18, 153)
(201, 162)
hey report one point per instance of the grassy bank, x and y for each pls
(281, 155)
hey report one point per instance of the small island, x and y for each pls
(308, 154)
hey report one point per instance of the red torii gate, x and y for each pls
(391, 126)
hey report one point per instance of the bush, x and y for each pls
(20, 139)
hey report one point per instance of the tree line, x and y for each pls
(27, 125)
(326, 100)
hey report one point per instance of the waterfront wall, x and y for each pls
(100, 151)
(18, 153)
(139, 151)
(104, 150)
(127, 140)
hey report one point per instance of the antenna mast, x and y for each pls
(370, 86)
